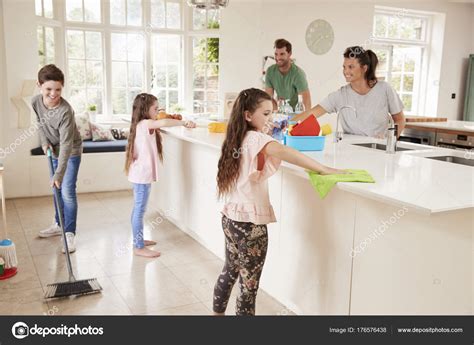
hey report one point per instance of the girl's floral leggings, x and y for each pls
(245, 250)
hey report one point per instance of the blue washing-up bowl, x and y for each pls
(305, 143)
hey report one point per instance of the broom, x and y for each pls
(73, 286)
(7, 247)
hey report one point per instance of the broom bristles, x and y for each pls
(8, 253)
(78, 287)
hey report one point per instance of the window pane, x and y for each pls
(134, 12)
(157, 14)
(77, 75)
(94, 73)
(75, 44)
(49, 41)
(135, 47)
(212, 97)
(74, 10)
(119, 74)
(159, 49)
(119, 47)
(94, 45)
(117, 12)
(212, 76)
(173, 75)
(173, 99)
(131, 97)
(198, 76)
(198, 97)
(41, 51)
(213, 50)
(161, 99)
(396, 81)
(159, 77)
(174, 48)
(119, 101)
(407, 102)
(135, 74)
(92, 11)
(408, 83)
(199, 19)
(199, 50)
(94, 96)
(381, 23)
(393, 26)
(173, 15)
(38, 7)
(48, 8)
(213, 19)
(78, 100)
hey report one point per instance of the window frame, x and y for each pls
(186, 32)
(420, 76)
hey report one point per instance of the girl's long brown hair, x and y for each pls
(229, 162)
(141, 109)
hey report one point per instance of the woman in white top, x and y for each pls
(374, 101)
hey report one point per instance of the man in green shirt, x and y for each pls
(285, 78)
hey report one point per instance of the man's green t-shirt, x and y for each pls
(286, 86)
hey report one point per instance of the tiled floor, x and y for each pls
(180, 282)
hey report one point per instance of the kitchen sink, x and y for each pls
(454, 159)
(380, 146)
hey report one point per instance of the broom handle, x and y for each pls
(4, 208)
(59, 211)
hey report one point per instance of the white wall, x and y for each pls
(21, 59)
(250, 28)
(2, 80)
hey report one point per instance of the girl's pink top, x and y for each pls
(249, 201)
(144, 167)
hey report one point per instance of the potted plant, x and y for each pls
(92, 108)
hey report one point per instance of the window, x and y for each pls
(205, 19)
(400, 42)
(85, 69)
(111, 50)
(205, 58)
(165, 14)
(205, 74)
(126, 12)
(166, 70)
(83, 11)
(45, 37)
(44, 8)
(127, 70)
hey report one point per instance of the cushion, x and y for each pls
(93, 147)
(120, 133)
(83, 125)
(101, 132)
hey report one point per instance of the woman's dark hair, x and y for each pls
(366, 58)
(238, 126)
(50, 72)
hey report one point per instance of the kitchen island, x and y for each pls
(403, 245)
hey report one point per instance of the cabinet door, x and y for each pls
(469, 101)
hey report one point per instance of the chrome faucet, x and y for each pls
(391, 136)
(338, 134)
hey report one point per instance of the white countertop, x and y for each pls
(404, 178)
(465, 126)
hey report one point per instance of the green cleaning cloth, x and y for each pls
(324, 183)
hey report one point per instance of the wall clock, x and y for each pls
(319, 37)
